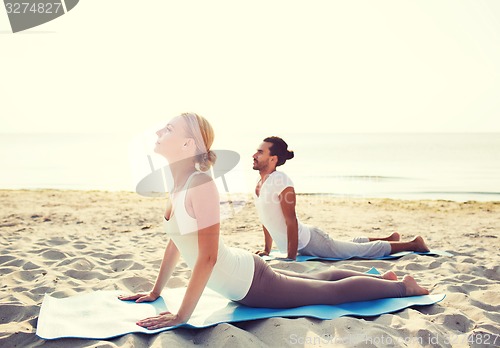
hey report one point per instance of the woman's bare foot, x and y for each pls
(412, 288)
(419, 244)
(390, 275)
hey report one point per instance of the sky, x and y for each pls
(119, 66)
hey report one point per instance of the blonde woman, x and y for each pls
(192, 223)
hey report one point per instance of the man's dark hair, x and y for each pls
(279, 148)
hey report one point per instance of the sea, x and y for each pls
(436, 166)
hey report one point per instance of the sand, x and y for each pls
(69, 242)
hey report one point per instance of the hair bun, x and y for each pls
(290, 155)
(206, 160)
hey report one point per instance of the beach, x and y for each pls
(68, 242)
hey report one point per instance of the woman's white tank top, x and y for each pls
(233, 272)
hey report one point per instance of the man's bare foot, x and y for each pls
(412, 288)
(395, 237)
(419, 244)
(390, 275)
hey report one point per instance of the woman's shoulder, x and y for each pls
(203, 196)
(201, 178)
(202, 183)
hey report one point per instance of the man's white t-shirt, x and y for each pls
(270, 212)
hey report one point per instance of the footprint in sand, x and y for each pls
(457, 322)
(53, 255)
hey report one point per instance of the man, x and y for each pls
(275, 202)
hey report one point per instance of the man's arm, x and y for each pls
(287, 201)
(268, 243)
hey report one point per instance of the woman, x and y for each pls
(192, 223)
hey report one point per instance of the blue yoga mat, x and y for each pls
(301, 258)
(101, 315)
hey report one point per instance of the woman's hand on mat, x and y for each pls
(150, 297)
(165, 319)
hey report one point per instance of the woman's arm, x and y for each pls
(170, 258)
(208, 241)
(202, 202)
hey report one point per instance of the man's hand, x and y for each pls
(262, 253)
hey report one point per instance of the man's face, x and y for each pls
(262, 159)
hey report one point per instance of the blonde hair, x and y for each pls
(203, 134)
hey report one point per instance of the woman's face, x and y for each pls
(172, 138)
